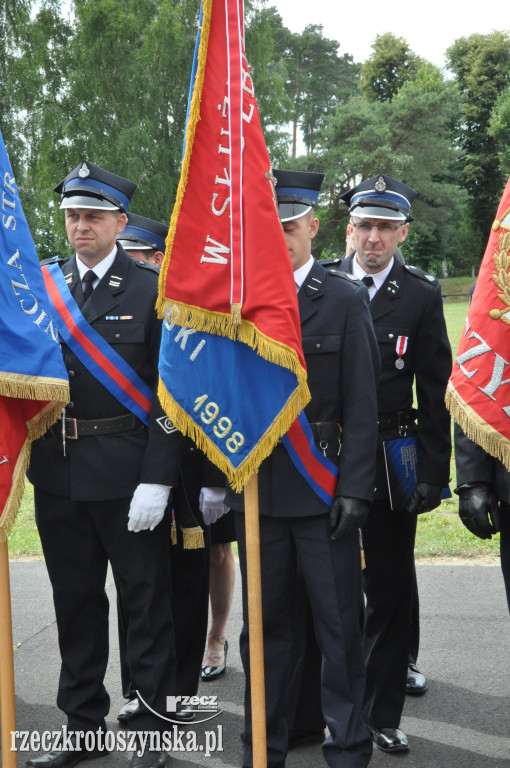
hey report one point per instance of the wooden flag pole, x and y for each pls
(7, 702)
(258, 698)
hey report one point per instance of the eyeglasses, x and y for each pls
(365, 227)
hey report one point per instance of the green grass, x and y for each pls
(24, 540)
(440, 533)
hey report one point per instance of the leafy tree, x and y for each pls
(499, 129)
(481, 65)
(318, 79)
(14, 20)
(391, 65)
(408, 138)
(269, 74)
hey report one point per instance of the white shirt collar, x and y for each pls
(378, 277)
(300, 274)
(100, 269)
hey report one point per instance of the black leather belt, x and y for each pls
(75, 428)
(326, 430)
(397, 420)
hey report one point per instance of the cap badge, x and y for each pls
(380, 184)
(84, 171)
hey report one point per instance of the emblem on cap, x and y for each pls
(380, 184)
(84, 171)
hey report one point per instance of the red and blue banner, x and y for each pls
(34, 385)
(478, 394)
(232, 370)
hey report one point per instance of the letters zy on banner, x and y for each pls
(34, 385)
(232, 371)
(478, 393)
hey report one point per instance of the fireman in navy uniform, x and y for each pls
(197, 500)
(84, 482)
(407, 312)
(144, 239)
(342, 364)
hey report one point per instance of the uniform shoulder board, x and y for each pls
(420, 273)
(52, 260)
(145, 265)
(345, 276)
(326, 263)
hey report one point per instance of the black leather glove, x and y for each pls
(347, 515)
(426, 496)
(478, 510)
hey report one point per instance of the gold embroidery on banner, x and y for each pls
(501, 260)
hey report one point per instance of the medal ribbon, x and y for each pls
(401, 345)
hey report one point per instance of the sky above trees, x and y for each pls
(429, 28)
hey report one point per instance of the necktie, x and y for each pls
(88, 279)
(368, 280)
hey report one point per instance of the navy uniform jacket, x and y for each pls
(104, 467)
(342, 364)
(409, 304)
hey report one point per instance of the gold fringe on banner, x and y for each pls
(488, 438)
(36, 428)
(240, 476)
(173, 534)
(247, 332)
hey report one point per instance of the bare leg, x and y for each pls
(221, 591)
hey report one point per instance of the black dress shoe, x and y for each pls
(305, 738)
(127, 710)
(149, 759)
(213, 673)
(64, 758)
(184, 715)
(416, 684)
(391, 740)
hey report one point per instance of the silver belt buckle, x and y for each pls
(75, 428)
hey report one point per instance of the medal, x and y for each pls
(401, 347)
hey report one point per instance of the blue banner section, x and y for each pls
(207, 377)
(26, 323)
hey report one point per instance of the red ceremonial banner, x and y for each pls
(227, 273)
(478, 395)
(226, 206)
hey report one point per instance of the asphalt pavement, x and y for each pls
(461, 722)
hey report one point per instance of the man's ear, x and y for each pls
(314, 227)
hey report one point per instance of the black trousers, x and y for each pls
(388, 581)
(78, 539)
(332, 576)
(504, 546)
(189, 574)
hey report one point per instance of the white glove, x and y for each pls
(148, 506)
(211, 504)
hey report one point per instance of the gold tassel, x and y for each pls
(235, 313)
(362, 551)
(173, 534)
(193, 538)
